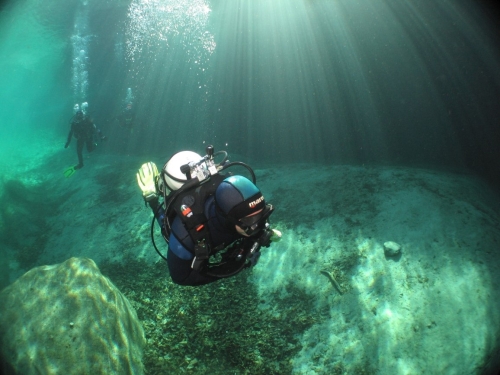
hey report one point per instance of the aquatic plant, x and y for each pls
(218, 328)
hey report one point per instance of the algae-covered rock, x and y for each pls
(69, 319)
(392, 249)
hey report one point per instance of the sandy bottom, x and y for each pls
(434, 309)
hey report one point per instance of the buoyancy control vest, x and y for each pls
(187, 201)
(189, 206)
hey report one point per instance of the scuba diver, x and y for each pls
(215, 223)
(84, 130)
(126, 119)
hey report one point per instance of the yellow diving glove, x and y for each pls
(147, 177)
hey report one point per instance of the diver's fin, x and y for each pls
(69, 172)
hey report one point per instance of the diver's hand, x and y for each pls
(254, 259)
(276, 236)
(146, 179)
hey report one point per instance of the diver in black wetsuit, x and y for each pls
(127, 118)
(83, 129)
(214, 224)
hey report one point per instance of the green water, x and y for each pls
(344, 85)
(328, 81)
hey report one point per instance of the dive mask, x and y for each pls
(251, 225)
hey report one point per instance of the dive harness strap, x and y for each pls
(201, 255)
(189, 207)
(201, 237)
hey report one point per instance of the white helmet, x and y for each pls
(83, 107)
(172, 169)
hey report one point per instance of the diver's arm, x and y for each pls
(158, 211)
(99, 132)
(70, 135)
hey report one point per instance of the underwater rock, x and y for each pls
(392, 249)
(69, 319)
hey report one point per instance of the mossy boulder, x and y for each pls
(68, 319)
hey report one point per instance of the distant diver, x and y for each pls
(126, 119)
(214, 223)
(84, 130)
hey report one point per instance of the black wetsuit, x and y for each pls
(82, 128)
(181, 247)
(127, 119)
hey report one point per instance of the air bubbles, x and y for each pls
(181, 23)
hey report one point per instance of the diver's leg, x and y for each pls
(90, 144)
(79, 150)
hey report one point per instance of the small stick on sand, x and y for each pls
(332, 280)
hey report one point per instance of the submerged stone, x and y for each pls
(69, 319)
(392, 249)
